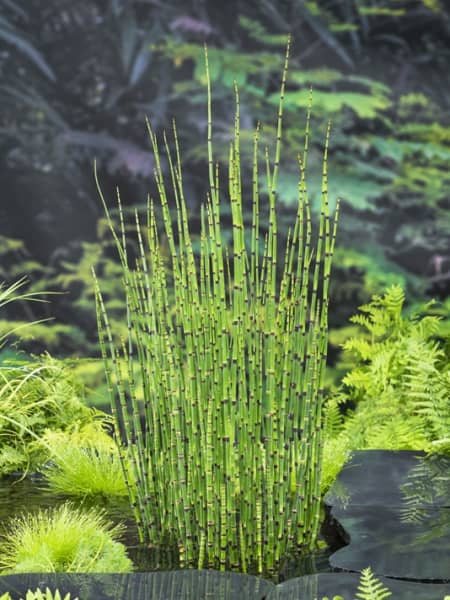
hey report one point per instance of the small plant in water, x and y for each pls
(84, 464)
(227, 464)
(63, 539)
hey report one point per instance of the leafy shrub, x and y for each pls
(63, 539)
(390, 148)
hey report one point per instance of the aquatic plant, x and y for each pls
(84, 463)
(63, 539)
(226, 463)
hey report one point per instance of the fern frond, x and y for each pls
(40, 595)
(393, 301)
(400, 381)
(333, 418)
(47, 595)
(358, 378)
(370, 588)
(396, 432)
(427, 326)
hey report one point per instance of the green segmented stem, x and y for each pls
(223, 455)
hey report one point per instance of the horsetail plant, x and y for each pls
(226, 462)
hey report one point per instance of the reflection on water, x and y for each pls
(211, 585)
(395, 510)
(176, 585)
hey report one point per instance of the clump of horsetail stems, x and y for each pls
(226, 463)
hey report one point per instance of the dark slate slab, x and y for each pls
(394, 510)
(394, 543)
(167, 585)
(392, 478)
(312, 587)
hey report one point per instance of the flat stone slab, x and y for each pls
(392, 544)
(166, 585)
(392, 478)
(312, 587)
(210, 585)
(394, 510)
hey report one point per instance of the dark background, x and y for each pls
(78, 77)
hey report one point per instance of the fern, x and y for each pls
(38, 594)
(47, 595)
(371, 588)
(400, 383)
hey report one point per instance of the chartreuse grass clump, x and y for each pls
(84, 463)
(226, 464)
(63, 539)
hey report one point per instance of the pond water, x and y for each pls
(391, 508)
(18, 495)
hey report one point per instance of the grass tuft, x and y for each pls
(84, 466)
(63, 539)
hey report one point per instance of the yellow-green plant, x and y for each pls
(399, 382)
(40, 595)
(63, 539)
(34, 397)
(84, 463)
(227, 461)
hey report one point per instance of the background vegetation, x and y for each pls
(78, 78)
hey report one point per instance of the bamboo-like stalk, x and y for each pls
(227, 463)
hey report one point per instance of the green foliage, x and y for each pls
(84, 463)
(13, 293)
(366, 106)
(35, 397)
(393, 184)
(38, 594)
(391, 134)
(399, 383)
(227, 463)
(336, 452)
(63, 539)
(52, 336)
(34, 302)
(370, 588)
